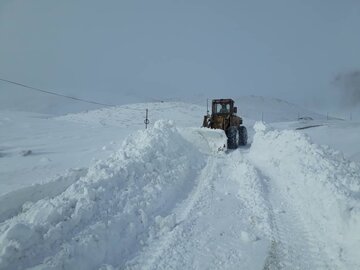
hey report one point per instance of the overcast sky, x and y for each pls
(105, 50)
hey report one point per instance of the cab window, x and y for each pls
(222, 108)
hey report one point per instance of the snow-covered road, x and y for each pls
(169, 200)
(219, 226)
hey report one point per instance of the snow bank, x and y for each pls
(12, 202)
(106, 216)
(323, 187)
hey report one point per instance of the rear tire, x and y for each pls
(243, 137)
(233, 137)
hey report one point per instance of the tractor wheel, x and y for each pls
(242, 136)
(232, 134)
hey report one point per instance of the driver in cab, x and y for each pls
(223, 109)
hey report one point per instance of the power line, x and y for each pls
(80, 99)
(54, 93)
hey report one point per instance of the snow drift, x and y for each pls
(321, 186)
(108, 214)
(12, 202)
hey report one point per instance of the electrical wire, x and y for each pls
(55, 94)
(80, 99)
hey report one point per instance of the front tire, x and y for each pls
(233, 137)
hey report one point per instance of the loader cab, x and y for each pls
(223, 107)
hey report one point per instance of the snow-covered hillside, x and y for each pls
(96, 191)
(272, 109)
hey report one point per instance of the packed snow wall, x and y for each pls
(108, 214)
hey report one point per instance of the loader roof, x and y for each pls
(223, 100)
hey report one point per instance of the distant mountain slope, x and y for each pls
(272, 109)
(250, 107)
(190, 114)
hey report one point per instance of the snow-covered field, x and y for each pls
(95, 190)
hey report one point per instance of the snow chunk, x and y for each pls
(164, 124)
(260, 127)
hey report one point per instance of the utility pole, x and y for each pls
(146, 121)
(207, 106)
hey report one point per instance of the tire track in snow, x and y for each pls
(321, 189)
(308, 250)
(292, 246)
(216, 229)
(152, 257)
